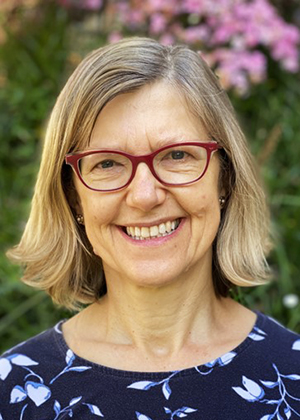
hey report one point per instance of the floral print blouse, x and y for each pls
(42, 379)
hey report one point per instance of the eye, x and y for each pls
(106, 164)
(177, 154)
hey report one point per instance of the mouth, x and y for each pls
(152, 232)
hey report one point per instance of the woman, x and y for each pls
(160, 217)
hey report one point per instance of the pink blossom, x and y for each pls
(135, 17)
(114, 37)
(85, 4)
(292, 33)
(237, 68)
(283, 49)
(193, 6)
(167, 6)
(209, 58)
(158, 23)
(291, 64)
(230, 32)
(195, 34)
(156, 5)
(92, 4)
(167, 39)
(251, 35)
(224, 33)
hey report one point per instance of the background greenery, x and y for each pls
(41, 43)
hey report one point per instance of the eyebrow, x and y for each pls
(171, 140)
(159, 144)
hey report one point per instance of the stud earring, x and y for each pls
(222, 201)
(80, 219)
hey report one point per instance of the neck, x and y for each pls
(162, 319)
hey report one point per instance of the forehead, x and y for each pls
(146, 119)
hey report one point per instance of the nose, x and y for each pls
(144, 191)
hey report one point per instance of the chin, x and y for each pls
(149, 275)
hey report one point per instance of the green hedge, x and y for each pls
(34, 63)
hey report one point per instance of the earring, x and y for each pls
(222, 201)
(80, 219)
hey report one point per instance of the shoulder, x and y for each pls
(34, 350)
(267, 373)
(35, 353)
(271, 353)
(25, 368)
(40, 376)
(276, 335)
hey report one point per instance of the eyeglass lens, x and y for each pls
(175, 165)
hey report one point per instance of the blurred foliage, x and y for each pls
(32, 62)
(41, 45)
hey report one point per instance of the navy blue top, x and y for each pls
(42, 379)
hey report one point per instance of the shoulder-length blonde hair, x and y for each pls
(54, 249)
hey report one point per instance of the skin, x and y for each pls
(160, 312)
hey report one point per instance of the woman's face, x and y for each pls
(140, 123)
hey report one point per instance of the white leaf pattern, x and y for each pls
(254, 393)
(5, 368)
(293, 377)
(38, 393)
(244, 394)
(37, 390)
(296, 345)
(256, 337)
(57, 407)
(17, 395)
(69, 357)
(142, 385)
(227, 358)
(75, 401)
(288, 413)
(79, 368)
(94, 410)
(21, 360)
(140, 416)
(166, 390)
(269, 384)
(252, 387)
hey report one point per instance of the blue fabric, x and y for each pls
(42, 379)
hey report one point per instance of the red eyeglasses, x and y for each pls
(173, 165)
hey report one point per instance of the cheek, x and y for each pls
(201, 203)
(99, 214)
(98, 210)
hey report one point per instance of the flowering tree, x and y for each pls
(247, 42)
(236, 37)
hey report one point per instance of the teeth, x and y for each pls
(168, 226)
(145, 232)
(154, 231)
(162, 228)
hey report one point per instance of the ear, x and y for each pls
(74, 201)
(223, 192)
(70, 191)
(73, 198)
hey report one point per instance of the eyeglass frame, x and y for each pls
(72, 159)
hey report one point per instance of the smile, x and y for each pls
(156, 231)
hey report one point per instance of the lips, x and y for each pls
(150, 232)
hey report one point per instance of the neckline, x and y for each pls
(256, 334)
